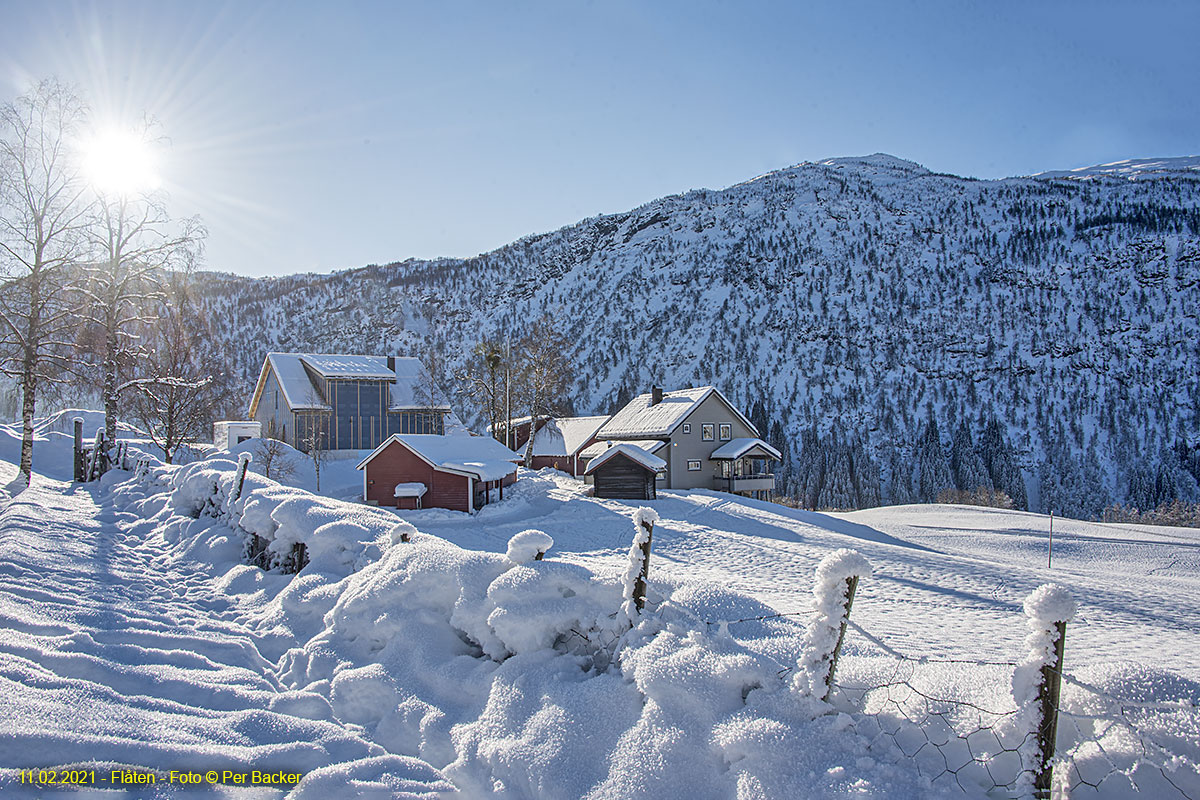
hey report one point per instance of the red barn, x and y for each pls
(431, 471)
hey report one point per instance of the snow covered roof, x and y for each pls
(301, 393)
(479, 457)
(630, 451)
(565, 435)
(736, 448)
(596, 448)
(341, 366)
(639, 418)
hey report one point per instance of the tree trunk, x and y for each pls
(29, 365)
(29, 398)
(109, 390)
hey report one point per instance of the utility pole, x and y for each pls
(508, 434)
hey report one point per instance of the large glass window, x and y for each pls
(726, 431)
(706, 432)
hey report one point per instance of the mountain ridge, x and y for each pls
(852, 300)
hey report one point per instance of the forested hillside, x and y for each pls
(895, 331)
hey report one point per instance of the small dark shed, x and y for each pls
(625, 472)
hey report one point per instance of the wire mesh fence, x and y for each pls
(930, 710)
(957, 721)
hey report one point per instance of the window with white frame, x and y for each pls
(726, 431)
(706, 432)
(687, 427)
(693, 465)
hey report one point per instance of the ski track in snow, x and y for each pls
(109, 656)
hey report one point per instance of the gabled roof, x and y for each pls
(564, 436)
(736, 448)
(480, 457)
(641, 419)
(294, 372)
(634, 453)
(596, 448)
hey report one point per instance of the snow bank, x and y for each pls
(525, 680)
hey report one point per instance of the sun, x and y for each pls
(120, 162)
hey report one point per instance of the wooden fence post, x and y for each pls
(639, 586)
(243, 462)
(78, 449)
(851, 588)
(834, 587)
(95, 468)
(1049, 692)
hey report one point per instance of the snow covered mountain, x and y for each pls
(914, 330)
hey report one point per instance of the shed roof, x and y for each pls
(564, 436)
(634, 453)
(479, 457)
(736, 448)
(641, 419)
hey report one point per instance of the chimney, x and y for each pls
(391, 363)
(655, 395)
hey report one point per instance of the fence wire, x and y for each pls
(1114, 744)
(1105, 745)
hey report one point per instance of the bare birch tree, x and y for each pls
(483, 379)
(181, 379)
(42, 213)
(135, 243)
(546, 370)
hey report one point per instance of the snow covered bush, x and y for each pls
(275, 521)
(830, 607)
(528, 546)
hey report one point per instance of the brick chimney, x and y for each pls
(655, 395)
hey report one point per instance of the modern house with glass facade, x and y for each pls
(343, 402)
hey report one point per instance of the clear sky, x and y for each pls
(319, 136)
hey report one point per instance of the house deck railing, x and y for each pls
(745, 483)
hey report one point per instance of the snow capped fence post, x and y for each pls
(244, 460)
(78, 423)
(833, 594)
(637, 574)
(1037, 681)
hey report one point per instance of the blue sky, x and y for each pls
(319, 136)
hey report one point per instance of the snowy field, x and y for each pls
(135, 637)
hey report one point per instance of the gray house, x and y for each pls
(342, 402)
(704, 440)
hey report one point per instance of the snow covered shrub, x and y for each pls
(831, 607)
(528, 546)
(283, 527)
(201, 489)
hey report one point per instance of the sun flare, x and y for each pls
(120, 162)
